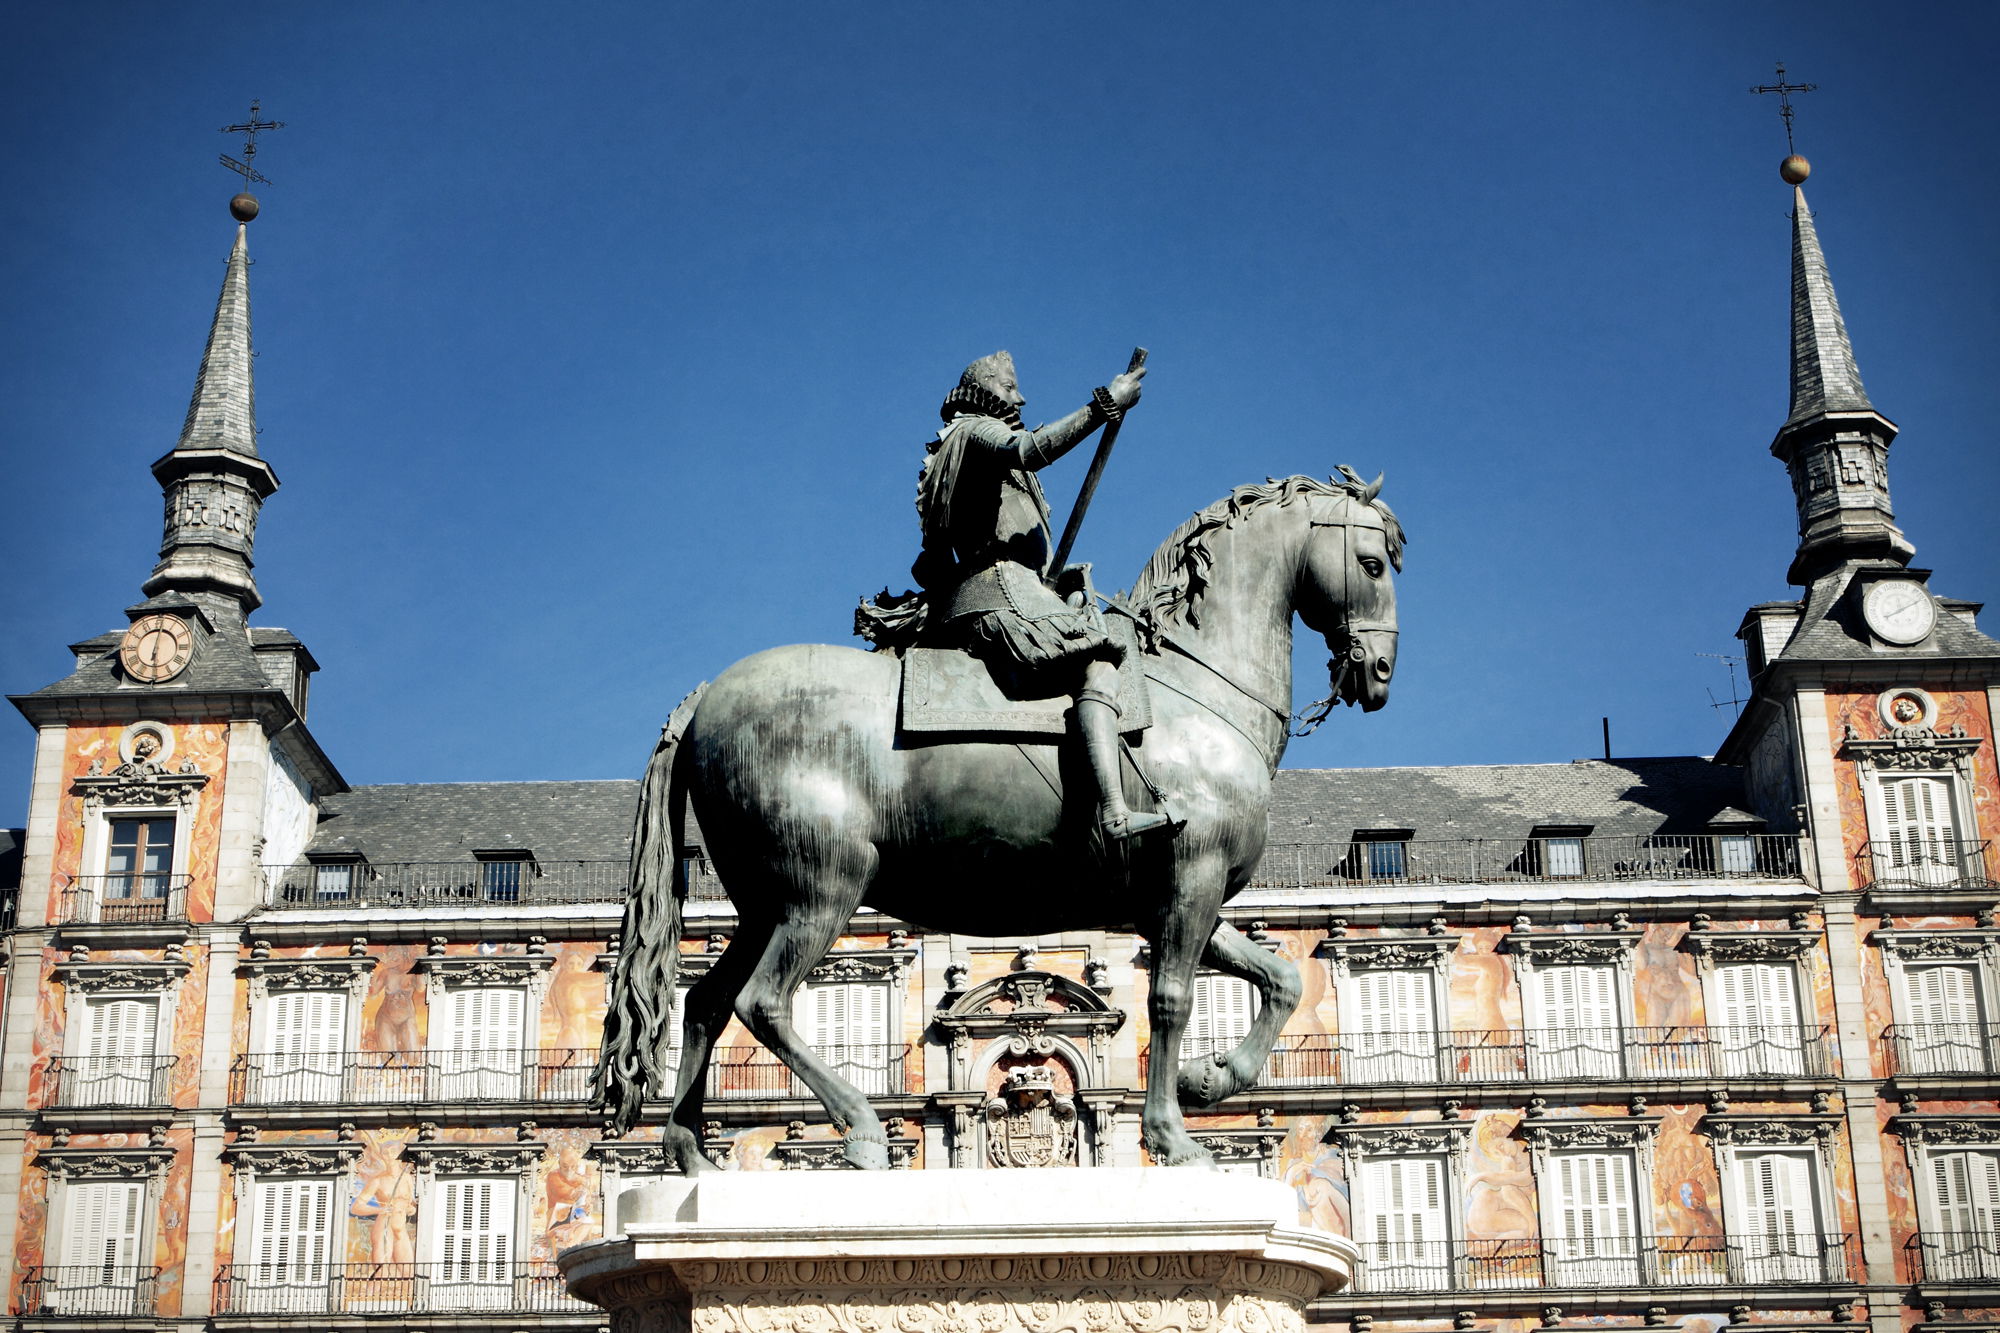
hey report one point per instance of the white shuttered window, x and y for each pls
(480, 1047)
(307, 1032)
(1758, 1012)
(1780, 1227)
(1579, 1034)
(847, 1025)
(120, 1039)
(1407, 1240)
(1945, 1033)
(1965, 1199)
(1596, 1224)
(1220, 1016)
(1393, 1029)
(1921, 833)
(98, 1269)
(291, 1250)
(475, 1243)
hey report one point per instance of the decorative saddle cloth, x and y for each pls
(948, 689)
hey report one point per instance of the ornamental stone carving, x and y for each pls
(79, 973)
(828, 1154)
(104, 1163)
(473, 1159)
(1255, 1147)
(1374, 953)
(1587, 1134)
(1030, 1124)
(291, 1159)
(139, 783)
(1908, 748)
(1933, 946)
(1770, 1131)
(347, 972)
(1031, 1014)
(1748, 946)
(889, 965)
(1948, 1130)
(1562, 949)
(516, 969)
(1425, 1138)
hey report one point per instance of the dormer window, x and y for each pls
(336, 878)
(1555, 851)
(503, 874)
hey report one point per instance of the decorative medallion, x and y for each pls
(1028, 1123)
(156, 648)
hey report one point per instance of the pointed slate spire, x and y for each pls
(213, 479)
(1824, 376)
(222, 414)
(1834, 443)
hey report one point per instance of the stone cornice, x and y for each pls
(1752, 1130)
(1912, 748)
(1401, 1139)
(1937, 945)
(1946, 1129)
(1566, 948)
(885, 965)
(1748, 946)
(139, 784)
(1586, 1132)
(144, 975)
(1380, 953)
(332, 972)
(508, 969)
(474, 1159)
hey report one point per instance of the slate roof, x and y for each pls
(448, 821)
(1831, 630)
(587, 821)
(224, 664)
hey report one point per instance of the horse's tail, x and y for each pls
(637, 1024)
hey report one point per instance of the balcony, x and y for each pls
(556, 1076)
(1553, 1055)
(88, 1290)
(138, 898)
(1943, 1048)
(1389, 868)
(1924, 863)
(1604, 1261)
(393, 1289)
(448, 883)
(1969, 1257)
(75, 1082)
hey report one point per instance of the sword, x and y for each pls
(1075, 523)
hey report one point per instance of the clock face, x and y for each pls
(156, 648)
(1899, 611)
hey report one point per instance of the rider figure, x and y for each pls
(987, 547)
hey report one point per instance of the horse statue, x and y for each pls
(813, 804)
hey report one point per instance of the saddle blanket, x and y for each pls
(948, 689)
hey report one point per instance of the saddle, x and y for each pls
(951, 690)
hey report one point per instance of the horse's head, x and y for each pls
(1347, 591)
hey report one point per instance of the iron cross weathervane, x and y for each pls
(1784, 91)
(252, 127)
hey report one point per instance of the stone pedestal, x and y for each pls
(1055, 1251)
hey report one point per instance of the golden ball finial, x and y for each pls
(1795, 169)
(243, 207)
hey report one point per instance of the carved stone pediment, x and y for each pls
(1937, 945)
(889, 966)
(104, 1163)
(829, 1154)
(1568, 949)
(1950, 1130)
(292, 1159)
(139, 784)
(1357, 1141)
(628, 1159)
(1033, 1013)
(1769, 1131)
(141, 977)
(1587, 1133)
(1748, 946)
(510, 969)
(474, 1159)
(1380, 953)
(1913, 748)
(332, 972)
(1231, 1146)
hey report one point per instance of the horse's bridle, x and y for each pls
(1349, 628)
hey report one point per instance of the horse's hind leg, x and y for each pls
(1207, 1079)
(795, 945)
(705, 1014)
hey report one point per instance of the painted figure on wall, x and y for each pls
(1500, 1186)
(385, 1196)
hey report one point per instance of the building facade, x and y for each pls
(1640, 1042)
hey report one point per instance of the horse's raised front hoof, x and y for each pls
(866, 1154)
(1179, 1150)
(1206, 1080)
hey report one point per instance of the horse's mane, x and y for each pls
(1169, 588)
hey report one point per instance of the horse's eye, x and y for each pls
(1372, 565)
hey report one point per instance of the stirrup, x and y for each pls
(1135, 826)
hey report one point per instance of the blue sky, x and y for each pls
(597, 342)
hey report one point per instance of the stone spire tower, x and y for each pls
(213, 480)
(1834, 443)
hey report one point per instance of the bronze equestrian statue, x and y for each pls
(818, 793)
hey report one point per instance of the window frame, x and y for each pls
(1444, 1142)
(1427, 955)
(70, 1169)
(1629, 1139)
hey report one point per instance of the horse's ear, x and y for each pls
(1372, 489)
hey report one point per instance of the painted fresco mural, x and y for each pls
(1861, 710)
(205, 745)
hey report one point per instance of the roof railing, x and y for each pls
(1796, 1258)
(1393, 865)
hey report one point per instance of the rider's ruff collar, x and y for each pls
(979, 401)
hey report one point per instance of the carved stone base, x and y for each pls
(1055, 1251)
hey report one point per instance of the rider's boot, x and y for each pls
(1097, 719)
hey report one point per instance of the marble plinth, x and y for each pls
(1055, 1251)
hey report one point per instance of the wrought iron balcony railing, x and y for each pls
(551, 1076)
(1390, 867)
(1779, 1259)
(123, 899)
(1549, 1055)
(109, 1080)
(304, 1287)
(88, 1290)
(458, 883)
(1943, 1048)
(1955, 1256)
(1924, 863)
